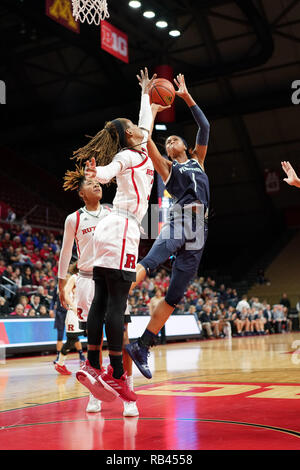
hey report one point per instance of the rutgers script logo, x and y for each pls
(130, 261)
(88, 230)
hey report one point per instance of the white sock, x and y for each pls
(129, 381)
(61, 359)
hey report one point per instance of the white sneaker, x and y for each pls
(94, 405)
(130, 408)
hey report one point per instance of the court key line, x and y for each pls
(204, 420)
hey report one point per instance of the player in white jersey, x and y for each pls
(120, 150)
(79, 228)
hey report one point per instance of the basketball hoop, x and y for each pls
(92, 11)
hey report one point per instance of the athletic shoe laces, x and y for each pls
(143, 353)
(90, 370)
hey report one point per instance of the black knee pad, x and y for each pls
(72, 338)
(82, 326)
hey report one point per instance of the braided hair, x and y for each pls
(105, 144)
(73, 180)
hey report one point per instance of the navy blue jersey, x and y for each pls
(188, 183)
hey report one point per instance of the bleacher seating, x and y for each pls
(23, 202)
(284, 275)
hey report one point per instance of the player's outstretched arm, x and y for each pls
(104, 174)
(144, 81)
(65, 258)
(292, 178)
(200, 150)
(145, 115)
(161, 164)
(147, 112)
(156, 108)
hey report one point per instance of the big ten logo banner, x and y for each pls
(61, 12)
(114, 41)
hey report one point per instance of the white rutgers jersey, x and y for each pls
(134, 182)
(79, 227)
(116, 241)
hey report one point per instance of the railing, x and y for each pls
(3, 286)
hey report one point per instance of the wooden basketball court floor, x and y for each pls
(229, 394)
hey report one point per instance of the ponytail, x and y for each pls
(105, 144)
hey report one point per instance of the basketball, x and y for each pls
(162, 92)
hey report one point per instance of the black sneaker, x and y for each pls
(139, 355)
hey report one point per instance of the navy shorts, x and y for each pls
(186, 262)
(59, 323)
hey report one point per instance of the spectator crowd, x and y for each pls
(28, 270)
(219, 310)
(28, 280)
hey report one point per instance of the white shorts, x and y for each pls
(116, 243)
(72, 323)
(84, 294)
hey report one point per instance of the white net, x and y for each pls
(92, 11)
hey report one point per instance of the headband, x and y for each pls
(184, 142)
(120, 131)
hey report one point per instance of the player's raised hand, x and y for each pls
(292, 178)
(144, 81)
(90, 168)
(182, 91)
(158, 107)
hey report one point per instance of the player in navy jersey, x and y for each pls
(185, 232)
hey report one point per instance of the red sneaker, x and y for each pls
(119, 386)
(62, 369)
(90, 378)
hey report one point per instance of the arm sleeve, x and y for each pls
(67, 246)
(124, 160)
(145, 116)
(203, 125)
(106, 173)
